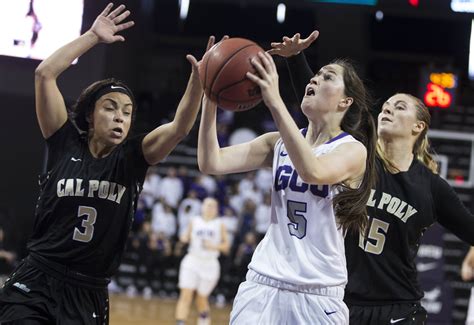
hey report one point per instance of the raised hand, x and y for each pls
(108, 23)
(292, 46)
(266, 78)
(210, 43)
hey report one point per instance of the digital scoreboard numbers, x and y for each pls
(438, 88)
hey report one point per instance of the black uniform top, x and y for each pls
(86, 205)
(381, 266)
(402, 206)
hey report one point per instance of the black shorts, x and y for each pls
(47, 294)
(398, 314)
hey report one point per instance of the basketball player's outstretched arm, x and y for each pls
(162, 140)
(50, 106)
(451, 212)
(292, 49)
(345, 163)
(212, 159)
(467, 269)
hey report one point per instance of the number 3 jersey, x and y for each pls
(304, 244)
(86, 204)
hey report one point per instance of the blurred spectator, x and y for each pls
(235, 199)
(264, 180)
(247, 218)
(252, 194)
(151, 188)
(247, 183)
(244, 254)
(163, 220)
(171, 188)
(262, 217)
(186, 179)
(223, 135)
(140, 215)
(231, 222)
(209, 183)
(188, 208)
(221, 191)
(225, 117)
(198, 186)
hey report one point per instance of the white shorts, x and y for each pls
(263, 304)
(198, 274)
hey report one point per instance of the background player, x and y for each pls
(409, 196)
(200, 269)
(88, 195)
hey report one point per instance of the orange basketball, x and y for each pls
(222, 73)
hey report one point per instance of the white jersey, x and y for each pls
(205, 230)
(303, 245)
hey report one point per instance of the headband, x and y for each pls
(111, 89)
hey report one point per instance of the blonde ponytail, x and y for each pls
(422, 151)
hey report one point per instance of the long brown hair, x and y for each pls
(422, 148)
(350, 203)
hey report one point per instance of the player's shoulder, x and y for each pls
(418, 170)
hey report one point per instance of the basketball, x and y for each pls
(222, 73)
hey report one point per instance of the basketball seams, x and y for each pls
(216, 76)
(220, 67)
(207, 66)
(218, 95)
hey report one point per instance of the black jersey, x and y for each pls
(381, 265)
(86, 204)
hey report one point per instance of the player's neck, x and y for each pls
(98, 149)
(321, 133)
(207, 218)
(398, 152)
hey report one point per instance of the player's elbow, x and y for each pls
(311, 176)
(205, 167)
(43, 73)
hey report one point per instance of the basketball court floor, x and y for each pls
(156, 311)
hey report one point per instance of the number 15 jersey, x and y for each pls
(86, 204)
(304, 244)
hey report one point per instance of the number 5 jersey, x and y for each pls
(304, 244)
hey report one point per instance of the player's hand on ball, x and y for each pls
(292, 46)
(194, 62)
(266, 78)
(108, 23)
